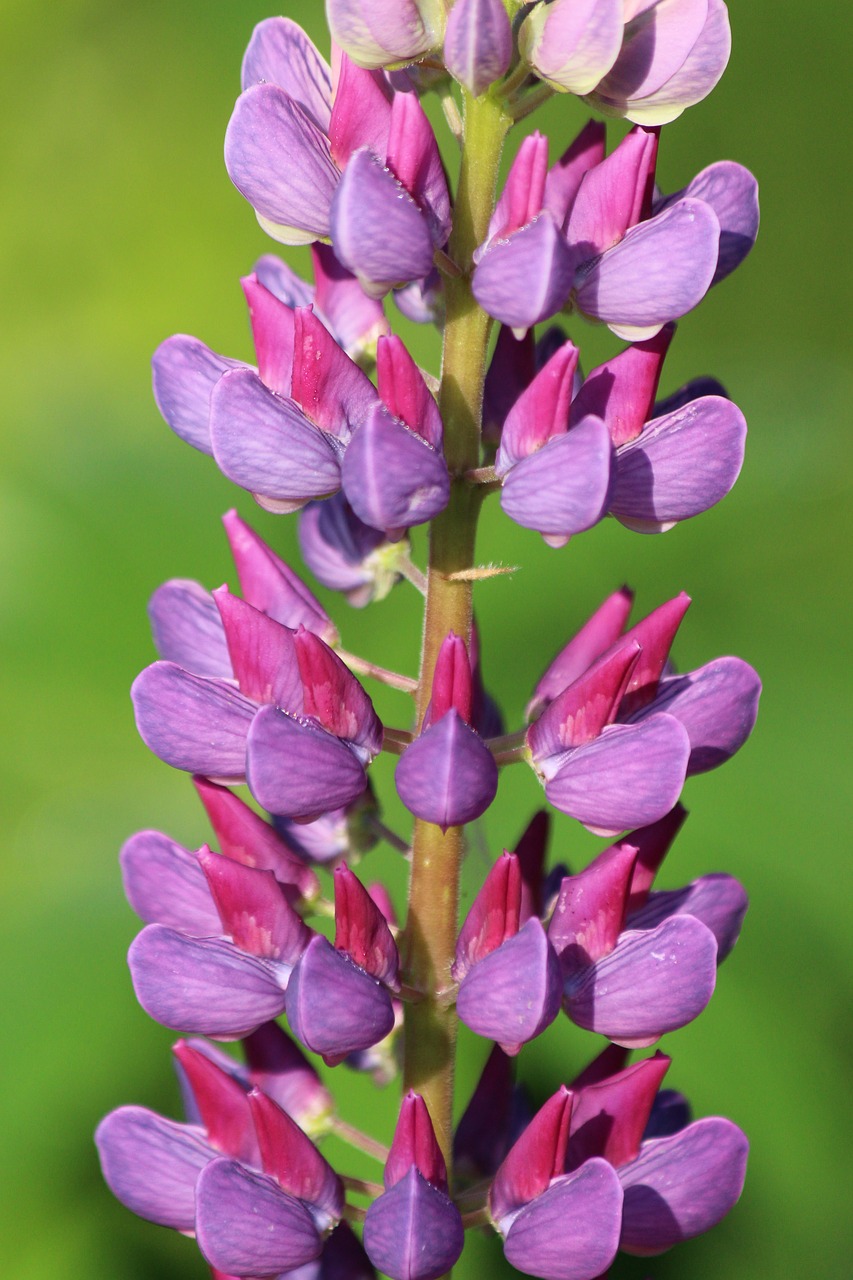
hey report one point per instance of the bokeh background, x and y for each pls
(119, 226)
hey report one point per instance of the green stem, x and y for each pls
(430, 934)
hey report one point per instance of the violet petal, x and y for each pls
(165, 885)
(477, 43)
(563, 488)
(413, 1231)
(659, 271)
(297, 769)
(680, 465)
(246, 1225)
(447, 776)
(514, 993)
(185, 372)
(333, 1006)
(717, 704)
(279, 159)
(267, 445)
(616, 782)
(653, 982)
(719, 901)
(192, 723)
(187, 628)
(378, 231)
(526, 277)
(151, 1164)
(571, 1231)
(279, 52)
(681, 1186)
(202, 986)
(392, 478)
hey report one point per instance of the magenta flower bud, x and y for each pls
(652, 844)
(404, 392)
(415, 1144)
(477, 43)
(672, 55)
(380, 33)
(530, 850)
(334, 697)
(244, 836)
(361, 929)
(413, 1231)
(448, 775)
(270, 585)
(571, 46)
(538, 1156)
(346, 554)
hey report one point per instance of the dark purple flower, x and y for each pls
(448, 775)
(413, 1231)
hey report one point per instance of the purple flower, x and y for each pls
(250, 1223)
(357, 161)
(557, 1225)
(220, 981)
(614, 746)
(555, 480)
(151, 1164)
(675, 1186)
(448, 775)
(413, 1231)
(185, 371)
(629, 983)
(394, 474)
(508, 972)
(673, 53)
(291, 689)
(339, 999)
(584, 232)
(671, 460)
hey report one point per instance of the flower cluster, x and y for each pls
(254, 695)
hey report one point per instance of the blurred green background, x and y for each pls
(120, 227)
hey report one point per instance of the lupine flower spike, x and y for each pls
(263, 922)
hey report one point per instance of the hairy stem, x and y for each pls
(430, 934)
